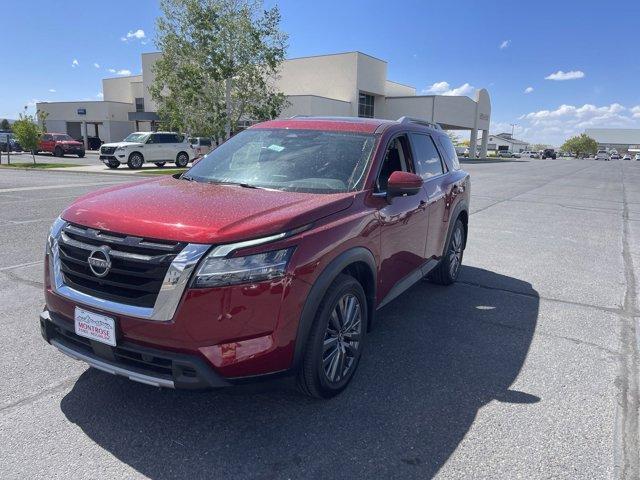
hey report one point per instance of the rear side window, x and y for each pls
(177, 138)
(450, 152)
(205, 142)
(427, 159)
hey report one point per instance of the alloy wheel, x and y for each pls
(342, 338)
(455, 252)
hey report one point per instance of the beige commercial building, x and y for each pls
(341, 84)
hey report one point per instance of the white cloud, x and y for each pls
(443, 88)
(556, 125)
(75, 63)
(137, 35)
(504, 44)
(97, 65)
(112, 70)
(52, 90)
(561, 76)
(124, 71)
(528, 90)
(100, 95)
(32, 103)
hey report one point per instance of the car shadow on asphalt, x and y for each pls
(436, 356)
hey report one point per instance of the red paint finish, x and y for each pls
(252, 329)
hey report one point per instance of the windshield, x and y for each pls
(137, 137)
(294, 160)
(62, 138)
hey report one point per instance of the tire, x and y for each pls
(448, 269)
(334, 347)
(81, 155)
(182, 160)
(113, 164)
(160, 164)
(136, 160)
(57, 152)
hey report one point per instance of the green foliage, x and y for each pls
(42, 119)
(28, 133)
(580, 145)
(5, 125)
(536, 147)
(219, 62)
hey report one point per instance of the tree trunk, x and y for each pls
(227, 96)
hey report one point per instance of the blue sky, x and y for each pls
(438, 47)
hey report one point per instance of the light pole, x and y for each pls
(513, 126)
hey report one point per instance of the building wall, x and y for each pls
(119, 89)
(395, 89)
(314, 105)
(148, 77)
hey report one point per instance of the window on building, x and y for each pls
(365, 105)
(139, 104)
(428, 162)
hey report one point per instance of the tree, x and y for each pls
(580, 145)
(219, 63)
(5, 125)
(28, 133)
(536, 147)
(42, 119)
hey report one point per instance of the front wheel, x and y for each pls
(449, 267)
(135, 161)
(57, 152)
(182, 160)
(334, 346)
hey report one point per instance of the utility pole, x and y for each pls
(513, 126)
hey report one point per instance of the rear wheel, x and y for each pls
(449, 267)
(160, 164)
(81, 155)
(334, 346)
(182, 160)
(135, 161)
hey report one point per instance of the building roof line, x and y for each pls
(318, 96)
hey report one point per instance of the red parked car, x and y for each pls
(59, 144)
(268, 257)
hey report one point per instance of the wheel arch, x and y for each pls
(460, 211)
(134, 152)
(357, 262)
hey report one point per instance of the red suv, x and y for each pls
(60, 144)
(268, 257)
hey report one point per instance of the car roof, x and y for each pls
(343, 124)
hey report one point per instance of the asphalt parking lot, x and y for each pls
(528, 367)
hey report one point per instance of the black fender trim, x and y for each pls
(459, 208)
(316, 294)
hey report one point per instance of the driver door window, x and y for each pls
(396, 159)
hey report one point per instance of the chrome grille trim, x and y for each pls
(169, 295)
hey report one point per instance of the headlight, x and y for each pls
(120, 149)
(221, 271)
(54, 233)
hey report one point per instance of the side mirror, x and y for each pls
(196, 160)
(401, 184)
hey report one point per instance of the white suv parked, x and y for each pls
(141, 147)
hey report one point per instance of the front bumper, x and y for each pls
(150, 366)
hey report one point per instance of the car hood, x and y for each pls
(121, 144)
(184, 211)
(75, 143)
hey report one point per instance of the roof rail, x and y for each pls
(298, 116)
(420, 122)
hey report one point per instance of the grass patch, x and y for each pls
(39, 165)
(164, 171)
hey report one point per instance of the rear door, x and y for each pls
(47, 143)
(153, 148)
(433, 170)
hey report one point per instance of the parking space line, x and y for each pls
(20, 265)
(52, 187)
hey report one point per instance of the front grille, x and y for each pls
(138, 265)
(107, 150)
